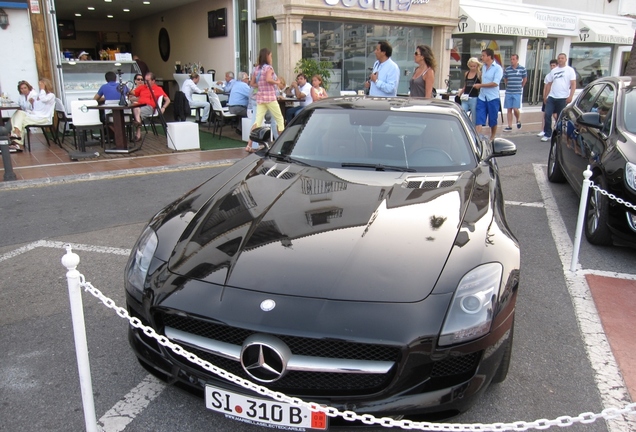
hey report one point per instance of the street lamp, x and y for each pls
(4, 19)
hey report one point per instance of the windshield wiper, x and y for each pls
(377, 167)
(287, 158)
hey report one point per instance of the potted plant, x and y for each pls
(311, 67)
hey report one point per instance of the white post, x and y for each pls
(581, 218)
(70, 261)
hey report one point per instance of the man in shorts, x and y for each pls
(488, 102)
(515, 77)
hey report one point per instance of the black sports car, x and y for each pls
(362, 262)
(599, 129)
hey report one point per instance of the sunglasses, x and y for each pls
(417, 54)
(139, 79)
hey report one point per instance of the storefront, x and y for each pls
(345, 33)
(595, 45)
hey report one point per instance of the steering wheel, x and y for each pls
(430, 156)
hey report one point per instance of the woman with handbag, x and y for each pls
(468, 94)
(264, 78)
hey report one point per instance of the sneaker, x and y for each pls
(518, 125)
(545, 138)
(508, 129)
(540, 134)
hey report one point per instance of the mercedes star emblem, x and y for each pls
(265, 357)
(268, 305)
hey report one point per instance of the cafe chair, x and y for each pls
(180, 106)
(85, 122)
(154, 116)
(63, 119)
(221, 115)
(196, 111)
(48, 127)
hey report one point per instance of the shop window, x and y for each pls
(350, 47)
(590, 62)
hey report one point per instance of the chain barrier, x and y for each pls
(562, 421)
(612, 196)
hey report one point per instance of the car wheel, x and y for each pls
(597, 231)
(555, 173)
(502, 370)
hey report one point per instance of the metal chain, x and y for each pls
(562, 421)
(612, 196)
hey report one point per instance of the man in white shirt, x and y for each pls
(385, 75)
(188, 88)
(301, 90)
(559, 88)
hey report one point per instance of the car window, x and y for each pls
(604, 105)
(331, 137)
(586, 101)
(629, 113)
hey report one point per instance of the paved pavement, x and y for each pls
(614, 297)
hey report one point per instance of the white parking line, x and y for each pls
(125, 411)
(609, 380)
(525, 204)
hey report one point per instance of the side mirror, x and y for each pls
(261, 135)
(502, 147)
(590, 119)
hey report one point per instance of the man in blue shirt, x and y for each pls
(385, 75)
(240, 97)
(488, 102)
(109, 90)
(515, 77)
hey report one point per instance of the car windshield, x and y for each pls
(381, 140)
(630, 110)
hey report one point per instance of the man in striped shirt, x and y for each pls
(515, 77)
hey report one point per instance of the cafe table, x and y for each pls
(282, 102)
(3, 107)
(119, 127)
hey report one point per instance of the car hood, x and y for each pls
(350, 235)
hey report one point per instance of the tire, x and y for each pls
(504, 366)
(597, 231)
(555, 172)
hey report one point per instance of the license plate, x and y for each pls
(263, 412)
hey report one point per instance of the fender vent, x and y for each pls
(275, 172)
(430, 182)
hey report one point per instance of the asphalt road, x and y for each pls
(550, 376)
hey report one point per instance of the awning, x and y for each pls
(603, 32)
(499, 22)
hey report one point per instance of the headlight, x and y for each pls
(630, 175)
(471, 310)
(140, 259)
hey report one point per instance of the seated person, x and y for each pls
(228, 83)
(188, 88)
(41, 114)
(27, 96)
(145, 96)
(301, 90)
(110, 90)
(240, 97)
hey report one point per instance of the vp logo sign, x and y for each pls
(461, 26)
(583, 37)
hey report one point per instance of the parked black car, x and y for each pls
(599, 129)
(363, 262)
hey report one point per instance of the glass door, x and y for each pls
(540, 52)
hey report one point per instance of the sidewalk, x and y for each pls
(49, 164)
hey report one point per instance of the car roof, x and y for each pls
(619, 81)
(407, 104)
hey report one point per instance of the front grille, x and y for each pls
(298, 345)
(311, 383)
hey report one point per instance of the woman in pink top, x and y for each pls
(267, 82)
